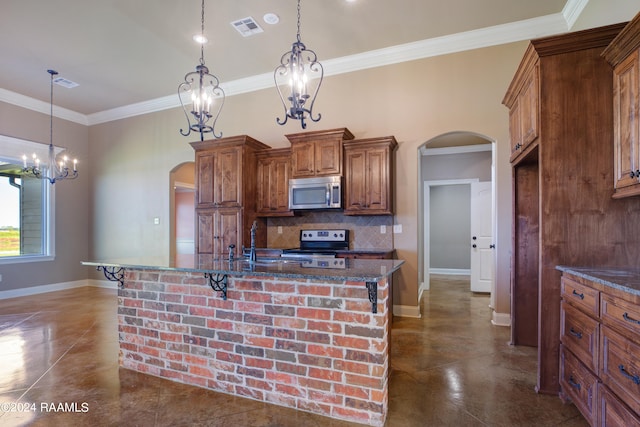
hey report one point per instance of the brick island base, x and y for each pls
(307, 344)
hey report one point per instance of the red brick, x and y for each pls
(314, 290)
(202, 311)
(176, 289)
(147, 314)
(315, 384)
(250, 307)
(228, 357)
(313, 313)
(285, 288)
(331, 398)
(166, 336)
(290, 390)
(290, 300)
(353, 367)
(247, 285)
(260, 342)
(326, 374)
(347, 317)
(365, 381)
(259, 384)
(321, 350)
(194, 300)
(195, 360)
(359, 392)
(315, 407)
(335, 328)
(201, 371)
(350, 342)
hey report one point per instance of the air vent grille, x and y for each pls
(65, 82)
(247, 26)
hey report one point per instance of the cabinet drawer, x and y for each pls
(612, 412)
(579, 384)
(580, 334)
(621, 315)
(620, 367)
(586, 298)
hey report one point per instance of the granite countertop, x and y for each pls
(624, 279)
(360, 270)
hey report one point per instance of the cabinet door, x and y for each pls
(626, 121)
(515, 131)
(528, 102)
(273, 186)
(227, 178)
(227, 231)
(328, 158)
(376, 179)
(355, 180)
(205, 231)
(303, 159)
(205, 164)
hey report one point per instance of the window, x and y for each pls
(25, 234)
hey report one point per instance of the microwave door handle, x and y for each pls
(328, 196)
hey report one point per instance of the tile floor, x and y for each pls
(450, 368)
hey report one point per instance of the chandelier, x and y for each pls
(53, 170)
(298, 70)
(199, 92)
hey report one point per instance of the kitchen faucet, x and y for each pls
(252, 250)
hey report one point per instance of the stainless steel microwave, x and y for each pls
(315, 193)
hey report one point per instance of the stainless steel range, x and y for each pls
(320, 247)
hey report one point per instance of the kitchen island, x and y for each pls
(287, 332)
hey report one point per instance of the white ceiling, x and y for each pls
(129, 56)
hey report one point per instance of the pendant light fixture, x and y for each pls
(301, 74)
(200, 93)
(54, 170)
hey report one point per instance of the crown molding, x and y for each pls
(491, 36)
(42, 107)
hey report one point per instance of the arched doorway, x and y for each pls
(182, 214)
(450, 165)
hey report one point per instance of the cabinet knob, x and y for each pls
(632, 174)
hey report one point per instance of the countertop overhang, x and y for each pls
(360, 270)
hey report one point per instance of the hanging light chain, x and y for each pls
(298, 21)
(202, 35)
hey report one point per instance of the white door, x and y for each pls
(482, 246)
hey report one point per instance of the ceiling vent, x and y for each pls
(65, 82)
(247, 26)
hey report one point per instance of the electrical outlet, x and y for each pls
(397, 229)
(279, 229)
(383, 229)
(156, 221)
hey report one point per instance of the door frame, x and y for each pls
(423, 150)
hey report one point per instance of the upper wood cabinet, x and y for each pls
(622, 54)
(369, 176)
(317, 153)
(524, 111)
(226, 194)
(274, 170)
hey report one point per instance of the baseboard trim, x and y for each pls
(450, 271)
(501, 319)
(407, 311)
(63, 286)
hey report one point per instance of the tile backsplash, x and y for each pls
(364, 231)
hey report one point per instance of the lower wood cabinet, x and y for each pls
(216, 229)
(600, 351)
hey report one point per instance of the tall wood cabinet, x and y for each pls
(368, 172)
(226, 191)
(563, 210)
(317, 153)
(623, 55)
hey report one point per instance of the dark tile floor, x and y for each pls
(449, 368)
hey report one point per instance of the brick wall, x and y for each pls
(305, 344)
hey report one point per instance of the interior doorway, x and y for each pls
(182, 214)
(456, 158)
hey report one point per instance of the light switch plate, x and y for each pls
(156, 221)
(397, 229)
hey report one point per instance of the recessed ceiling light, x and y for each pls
(271, 18)
(200, 39)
